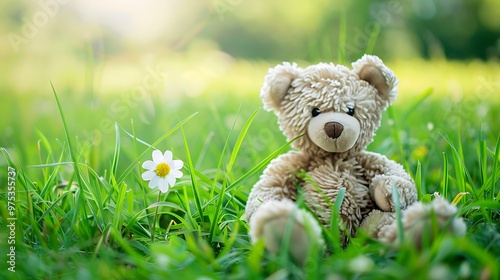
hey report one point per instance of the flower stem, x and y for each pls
(155, 217)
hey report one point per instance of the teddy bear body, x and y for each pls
(333, 113)
(329, 173)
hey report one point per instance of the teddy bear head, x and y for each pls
(333, 108)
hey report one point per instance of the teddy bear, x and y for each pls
(332, 113)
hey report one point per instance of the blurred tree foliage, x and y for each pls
(298, 30)
(455, 29)
(462, 29)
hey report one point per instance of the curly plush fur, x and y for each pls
(336, 111)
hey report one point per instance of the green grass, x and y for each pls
(84, 212)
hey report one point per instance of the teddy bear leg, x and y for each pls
(282, 222)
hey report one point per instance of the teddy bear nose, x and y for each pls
(333, 129)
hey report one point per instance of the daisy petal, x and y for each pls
(163, 185)
(148, 164)
(148, 175)
(167, 157)
(175, 173)
(177, 164)
(157, 156)
(154, 182)
(171, 180)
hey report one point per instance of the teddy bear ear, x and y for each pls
(371, 69)
(277, 83)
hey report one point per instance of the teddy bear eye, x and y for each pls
(315, 112)
(350, 111)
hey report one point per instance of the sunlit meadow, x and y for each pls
(76, 136)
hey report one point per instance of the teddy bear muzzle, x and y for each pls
(334, 132)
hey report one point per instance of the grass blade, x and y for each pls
(445, 185)
(483, 160)
(222, 153)
(399, 217)
(373, 38)
(239, 141)
(79, 194)
(194, 182)
(117, 218)
(496, 159)
(232, 160)
(66, 132)
(116, 154)
(418, 180)
(334, 220)
(460, 169)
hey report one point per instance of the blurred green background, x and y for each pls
(146, 65)
(155, 62)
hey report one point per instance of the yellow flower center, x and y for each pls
(162, 169)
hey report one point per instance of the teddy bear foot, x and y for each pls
(282, 224)
(376, 221)
(422, 223)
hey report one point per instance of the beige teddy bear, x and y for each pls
(334, 111)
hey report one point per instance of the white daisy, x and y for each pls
(162, 170)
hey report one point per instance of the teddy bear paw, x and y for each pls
(382, 192)
(282, 223)
(383, 199)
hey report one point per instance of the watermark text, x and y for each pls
(11, 220)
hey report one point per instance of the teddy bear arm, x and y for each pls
(278, 182)
(383, 174)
